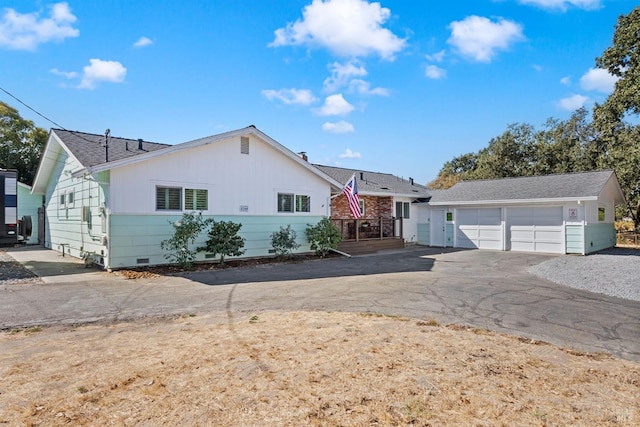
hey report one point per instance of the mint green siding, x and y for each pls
(28, 205)
(424, 234)
(138, 237)
(599, 237)
(575, 239)
(449, 229)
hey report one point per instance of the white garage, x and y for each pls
(479, 228)
(563, 213)
(536, 229)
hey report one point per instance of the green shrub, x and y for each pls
(224, 240)
(323, 236)
(185, 233)
(284, 241)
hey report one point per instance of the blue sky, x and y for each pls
(391, 86)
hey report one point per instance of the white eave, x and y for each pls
(48, 161)
(513, 201)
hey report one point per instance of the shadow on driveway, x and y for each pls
(403, 261)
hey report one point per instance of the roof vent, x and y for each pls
(361, 176)
(410, 180)
(303, 156)
(140, 144)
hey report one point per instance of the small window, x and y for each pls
(402, 210)
(361, 207)
(63, 200)
(196, 199)
(601, 214)
(285, 202)
(244, 145)
(303, 203)
(70, 199)
(168, 199)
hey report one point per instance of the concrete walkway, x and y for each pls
(485, 289)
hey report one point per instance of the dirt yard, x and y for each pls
(305, 368)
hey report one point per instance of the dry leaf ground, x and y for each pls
(305, 368)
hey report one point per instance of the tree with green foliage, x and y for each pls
(622, 60)
(224, 240)
(21, 144)
(185, 232)
(618, 140)
(323, 236)
(284, 241)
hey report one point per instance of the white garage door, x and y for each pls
(479, 228)
(536, 229)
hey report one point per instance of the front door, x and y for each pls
(437, 227)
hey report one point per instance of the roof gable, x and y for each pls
(573, 186)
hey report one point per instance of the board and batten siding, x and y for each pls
(135, 239)
(66, 227)
(237, 184)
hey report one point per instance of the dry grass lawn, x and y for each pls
(305, 368)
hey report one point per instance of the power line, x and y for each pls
(45, 117)
(32, 109)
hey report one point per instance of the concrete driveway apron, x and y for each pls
(486, 289)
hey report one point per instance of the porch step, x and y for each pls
(369, 246)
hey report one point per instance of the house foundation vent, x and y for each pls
(209, 256)
(142, 261)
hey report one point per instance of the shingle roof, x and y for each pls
(560, 186)
(376, 182)
(89, 148)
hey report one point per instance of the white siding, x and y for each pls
(409, 225)
(233, 180)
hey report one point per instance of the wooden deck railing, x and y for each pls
(363, 229)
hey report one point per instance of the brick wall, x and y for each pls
(374, 207)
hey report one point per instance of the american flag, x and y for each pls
(351, 191)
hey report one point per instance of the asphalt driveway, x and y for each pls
(486, 289)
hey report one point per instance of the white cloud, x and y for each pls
(436, 57)
(537, 67)
(334, 105)
(26, 31)
(142, 42)
(290, 96)
(102, 71)
(341, 74)
(566, 80)
(563, 4)
(338, 127)
(479, 38)
(598, 79)
(434, 72)
(66, 74)
(573, 102)
(345, 27)
(364, 88)
(348, 154)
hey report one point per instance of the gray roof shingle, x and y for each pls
(376, 182)
(560, 186)
(89, 148)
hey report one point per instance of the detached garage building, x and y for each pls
(565, 213)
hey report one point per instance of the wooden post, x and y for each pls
(380, 226)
